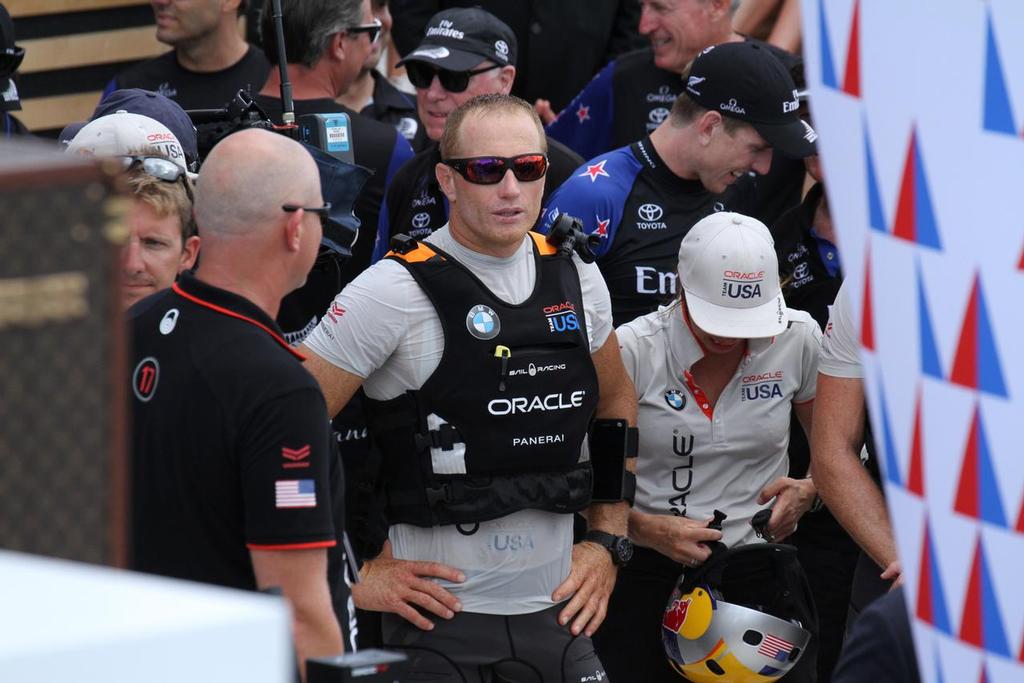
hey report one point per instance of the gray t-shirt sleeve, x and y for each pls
(596, 302)
(367, 321)
(840, 348)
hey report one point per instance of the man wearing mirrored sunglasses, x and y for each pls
(484, 352)
(465, 52)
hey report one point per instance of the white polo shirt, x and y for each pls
(695, 458)
(840, 347)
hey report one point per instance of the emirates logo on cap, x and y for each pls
(446, 28)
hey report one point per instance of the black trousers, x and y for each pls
(829, 564)
(495, 648)
(629, 641)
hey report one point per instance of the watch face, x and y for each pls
(623, 550)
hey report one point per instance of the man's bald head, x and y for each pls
(245, 180)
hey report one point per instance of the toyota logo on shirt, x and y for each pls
(658, 115)
(649, 212)
(420, 220)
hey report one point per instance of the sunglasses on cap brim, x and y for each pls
(162, 169)
(491, 170)
(421, 75)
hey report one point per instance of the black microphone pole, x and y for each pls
(287, 105)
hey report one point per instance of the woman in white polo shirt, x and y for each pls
(717, 374)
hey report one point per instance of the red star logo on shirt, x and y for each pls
(596, 170)
(583, 113)
(602, 227)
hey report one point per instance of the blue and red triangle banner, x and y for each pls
(876, 216)
(930, 364)
(915, 213)
(892, 467)
(931, 598)
(851, 75)
(976, 364)
(982, 624)
(998, 115)
(977, 493)
(915, 477)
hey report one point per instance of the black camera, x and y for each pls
(567, 234)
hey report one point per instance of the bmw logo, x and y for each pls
(482, 322)
(675, 398)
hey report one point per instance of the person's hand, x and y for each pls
(682, 539)
(893, 572)
(590, 583)
(544, 111)
(793, 497)
(389, 585)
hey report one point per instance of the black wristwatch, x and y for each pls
(620, 547)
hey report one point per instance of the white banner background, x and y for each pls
(937, 243)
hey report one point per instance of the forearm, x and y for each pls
(608, 517)
(645, 531)
(316, 633)
(856, 502)
(844, 485)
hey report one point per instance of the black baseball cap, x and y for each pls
(459, 39)
(147, 103)
(746, 81)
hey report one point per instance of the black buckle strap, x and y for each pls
(447, 492)
(444, 437)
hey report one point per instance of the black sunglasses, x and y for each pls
(421, 75)
(324, 212)
(161, 168)
(373, 29)
(10, 60)
(491, 170)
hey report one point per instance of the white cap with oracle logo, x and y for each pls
(123, 133)
(730, 277)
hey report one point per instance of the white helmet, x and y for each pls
(741, 617)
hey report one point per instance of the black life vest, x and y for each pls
(515, 387)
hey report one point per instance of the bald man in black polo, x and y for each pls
(235, 482)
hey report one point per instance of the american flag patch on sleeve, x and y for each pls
(295, 493)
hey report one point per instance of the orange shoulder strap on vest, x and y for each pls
(543, 246)
(421, 253)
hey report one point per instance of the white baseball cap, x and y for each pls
(730, 276)
(123, 133)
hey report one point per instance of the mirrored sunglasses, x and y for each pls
(491, 170)
(161, 168)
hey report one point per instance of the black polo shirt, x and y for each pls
(194, 89)
(416, 206)
(230, 440)
(391, 105)
(808, 266)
